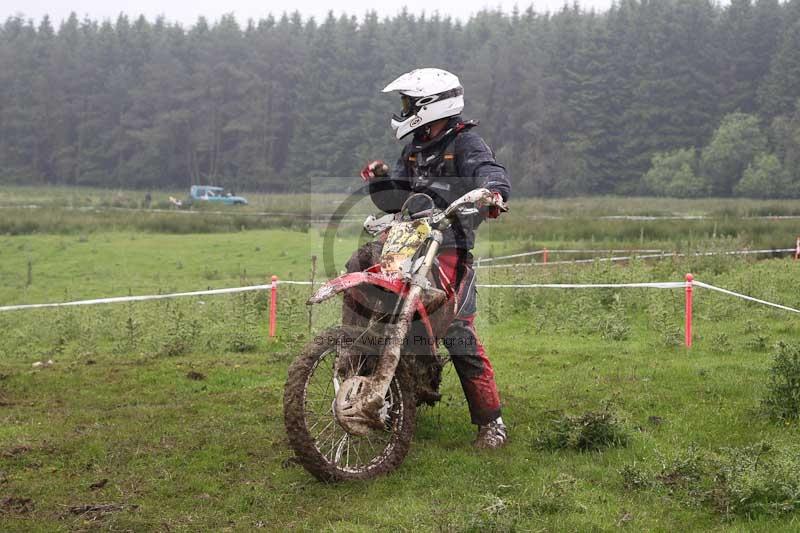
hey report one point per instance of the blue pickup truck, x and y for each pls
(207, 193)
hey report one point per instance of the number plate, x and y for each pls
(402, 243)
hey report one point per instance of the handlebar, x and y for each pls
(473, 198)
(467, 205)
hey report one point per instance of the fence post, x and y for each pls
(544, 256)
(797, 250)
(688, 328)
(273, 306)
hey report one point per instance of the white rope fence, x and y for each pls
(251, 288)
(123, 299)
(665, 285)
(744, 297)
(688, 285)
(481, 260)
(515, 256)
(661, 255)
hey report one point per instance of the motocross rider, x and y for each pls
(445, 159)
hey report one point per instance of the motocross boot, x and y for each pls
(492, 436)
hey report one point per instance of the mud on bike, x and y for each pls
(351, 397)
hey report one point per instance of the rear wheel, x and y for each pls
(322, 446)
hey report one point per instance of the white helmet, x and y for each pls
(427, 94)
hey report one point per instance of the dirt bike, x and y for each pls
(351, 398)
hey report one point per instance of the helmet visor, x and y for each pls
(410, 104)
(407, 108)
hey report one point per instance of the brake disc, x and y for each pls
(357, 409)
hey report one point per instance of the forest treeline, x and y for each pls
(669, 97)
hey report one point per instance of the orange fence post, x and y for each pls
(273, 306)
(797, 250)
(544, 256)
(689, 280)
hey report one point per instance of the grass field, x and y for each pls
(167, 415)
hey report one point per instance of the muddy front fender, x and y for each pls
(354, 279)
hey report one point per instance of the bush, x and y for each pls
(685, 470)
(245, 335)
(733, 147)
(591, 431)
(755, 481)
(751, 481)
(179, 335)
(765, 178)
(675, 174)
(782, 401)
(614, 326)
(634, 477)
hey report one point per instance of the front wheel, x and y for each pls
(321, 445)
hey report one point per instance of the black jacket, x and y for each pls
(474, 167)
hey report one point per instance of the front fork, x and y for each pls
(387, 365)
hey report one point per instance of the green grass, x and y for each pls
(580, 222)
(595, 206)
(210, 454)
(116, 263)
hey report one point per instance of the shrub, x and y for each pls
(635, 477)
(765, 178)
(180, 334)
(751, 481)
(614, 326)
(756, 481)
(245, 334)
(734, 145)
(685, 470)
(782, 401)
(663, 321)
(675, 174)
(132, 335)
(720, 343)
(757, 343)
(591, 431)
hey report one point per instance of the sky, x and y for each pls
(187, 11)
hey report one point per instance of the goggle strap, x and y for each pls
(452, 93)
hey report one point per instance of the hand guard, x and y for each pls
(375, 169)
(492, 207)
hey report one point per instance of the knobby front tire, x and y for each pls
(321, 445)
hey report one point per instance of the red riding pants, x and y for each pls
(469, 358)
